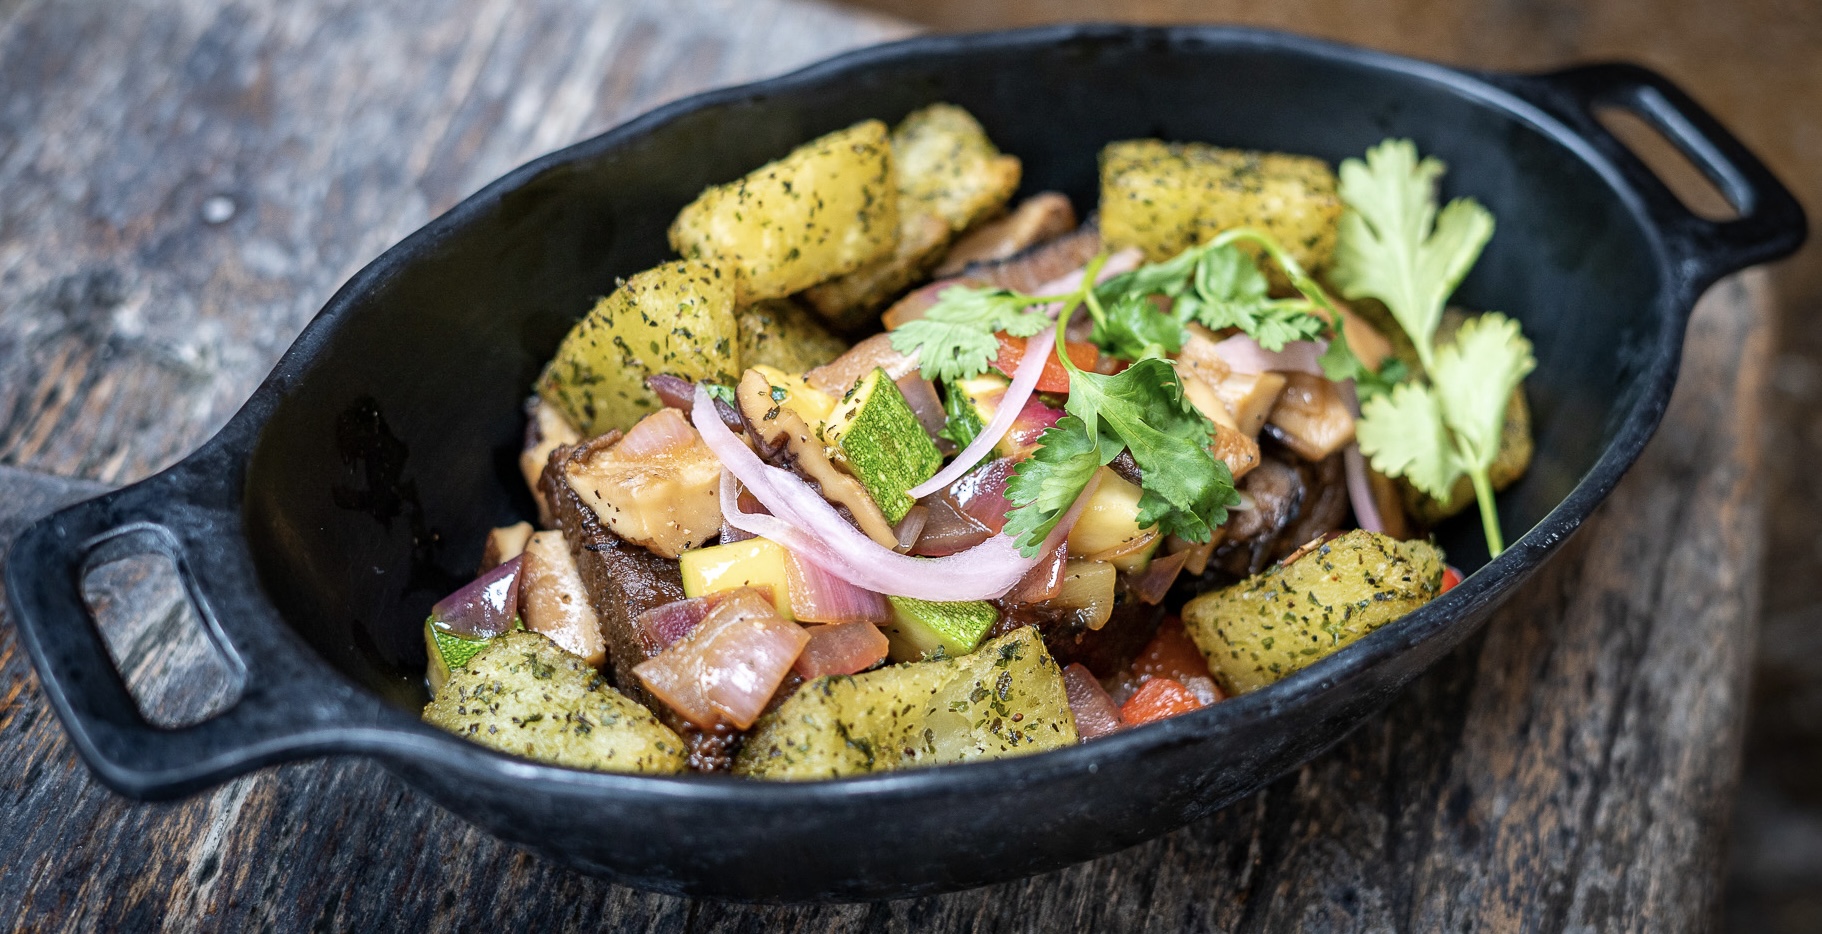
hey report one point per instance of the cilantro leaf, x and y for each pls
(956, 338)
(1133, 328)
(1402, 434)
(719, 391)
(1185, 490)
(1476, 375)
(1045, 485)
(1393, 244)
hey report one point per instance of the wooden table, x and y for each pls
(186, 182)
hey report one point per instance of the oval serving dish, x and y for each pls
(316, 529)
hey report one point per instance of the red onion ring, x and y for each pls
(1244, 355)
(1360, 487)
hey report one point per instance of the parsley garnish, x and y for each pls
(1395, 246)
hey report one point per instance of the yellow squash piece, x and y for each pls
(525, 696)
(827, 208)
(1294, 614)
(676, 318)
(1006, 699)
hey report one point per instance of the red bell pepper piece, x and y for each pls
(1157, 699)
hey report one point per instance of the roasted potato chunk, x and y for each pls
(524, 695)
(947, 166)
(676, 318)
(1004, 699)
(1166, 197)
(828, 208)
(1294, 614)
(780, 334)
(949, 176)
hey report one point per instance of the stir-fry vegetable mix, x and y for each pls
(793, 558)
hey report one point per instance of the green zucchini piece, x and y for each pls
(924, 629)
(877, 438)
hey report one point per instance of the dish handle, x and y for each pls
(1770, 224)
(289, 705)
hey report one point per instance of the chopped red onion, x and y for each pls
(841, 649)
(1045, 580)
(674, 391)
(1244, 355)
(483, 608)
(920, 394)
(911, 526)
(1151, 586)
(666, 624)
(729, 666)
(661, 432)
(1095, 713)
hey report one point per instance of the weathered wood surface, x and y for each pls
(1571, 769)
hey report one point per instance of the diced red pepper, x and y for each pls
(1157, 699)
(1450, 577)
(1054, 378)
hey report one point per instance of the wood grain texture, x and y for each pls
(1570, 769)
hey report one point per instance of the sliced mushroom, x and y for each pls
(658, 486)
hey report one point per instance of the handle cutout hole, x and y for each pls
(1682, 176)
(177, 675)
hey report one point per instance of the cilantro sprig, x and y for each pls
(1397, 247)
(1184, 491)
(956, 339)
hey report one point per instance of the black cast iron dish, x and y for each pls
(353, 489)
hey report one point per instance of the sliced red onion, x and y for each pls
(1024, 380)
(818, 596)
(804, 523)
(841, 649)
(947, 529)
(1151, 586)
(1360, 486)
(1244, 355)
(920, 394)
(1095, 713)
(729, 666)
(485, 607)
(1035, 419)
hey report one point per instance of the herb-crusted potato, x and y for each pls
(1290, 616)
(1166, 197)
(675, 318)
(949, 177)
(826, 209)
(1005, 699)
(524, 695)
(779, 333)
(947, 166)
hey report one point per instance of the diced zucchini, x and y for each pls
(1007, 699)
(796, 393)
(756, 562)
(924, 629)
(448, 652)
(1111, 521)
(1166, 197)
(1291, 616)
(524, 695)
(780, 333)
(676, 318)
(877, 438)
(827, 208)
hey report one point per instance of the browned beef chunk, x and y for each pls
(1104, 651)
(1294, 501)
(624, 580)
